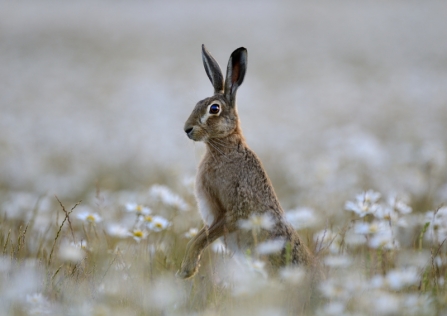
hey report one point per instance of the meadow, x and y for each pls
(345, 103)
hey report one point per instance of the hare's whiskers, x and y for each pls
(217, 141)
(216, 148)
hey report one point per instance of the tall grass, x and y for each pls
(384, 260)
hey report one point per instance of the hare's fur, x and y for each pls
(231, 184)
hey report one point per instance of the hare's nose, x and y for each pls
(188, 130)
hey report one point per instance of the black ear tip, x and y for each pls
(240, 51)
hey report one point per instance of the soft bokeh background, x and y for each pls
(344, 101)
(339, 96)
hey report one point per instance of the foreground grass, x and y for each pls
(116, 253)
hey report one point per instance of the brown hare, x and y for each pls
(231, 184)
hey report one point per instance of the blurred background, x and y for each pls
(339, 97)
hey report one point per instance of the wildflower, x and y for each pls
(71, 252)
(417, 304)
(365, 203)
(138, 209)
(158, 223)
(138, 234)
(166, 196)
(270, 246)
(383, 239)
(35, 298)
(387, 213)
(353, 239)
(398, 279)
(335, 289)
(381, 235)
(368, 228)
(257, 266)
(301, 217)
(369, 196)
(438, 224)
(164, 294)
(192, 232)
(89, 217)
(81, 244)
(438, 261)
(292, 274)
(38, 304)
(376, 282)
(117, 230)
(257, 222)
(243, 275)
(5, 264)
(399, 205)
(385, 303)
(148, 219)
(219, 247)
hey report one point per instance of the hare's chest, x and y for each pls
(206, 198)
(211, 185)
(204, 204)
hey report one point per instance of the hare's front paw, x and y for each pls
(188, 269)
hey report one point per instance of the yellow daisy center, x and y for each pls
(90, 218)
(138, 233)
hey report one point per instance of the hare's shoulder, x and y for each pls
(238, 182)
(233, 168)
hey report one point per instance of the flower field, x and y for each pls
(345, 103)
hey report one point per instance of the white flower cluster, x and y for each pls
(139, 230)
(379, 228)
(145, 223)
(437, 229)
(302, 217)
(364, 204)
(256, 222)
(166, 196)
(382, 298)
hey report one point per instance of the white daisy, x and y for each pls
(257, 222)
(302, 217)
(192, 232)
(158, 223)
(89, 217)
(365, 203)
(138, 234)
(117, 230)
(270, 246)
(166, 196)
(400, 278)
(138, 209)
(71, 252)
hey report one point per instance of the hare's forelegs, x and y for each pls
(206, 236)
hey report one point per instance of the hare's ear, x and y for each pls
(212, 70)
(237, 66)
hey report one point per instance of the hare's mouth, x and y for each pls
(195, 134)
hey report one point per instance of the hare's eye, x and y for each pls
(214, 109)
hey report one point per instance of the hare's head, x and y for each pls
(216, 116)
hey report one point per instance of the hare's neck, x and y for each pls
(230, 143)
